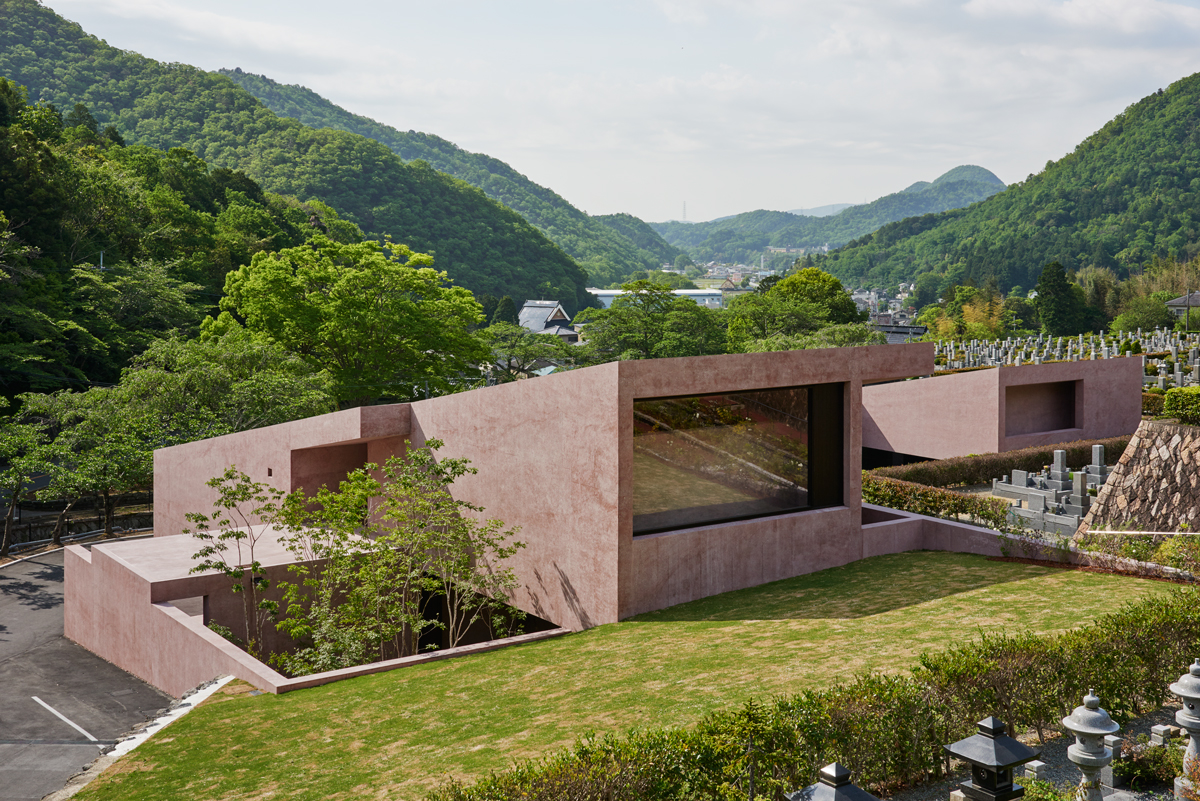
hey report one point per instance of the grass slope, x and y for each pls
(608, 253)
(1126, 194)
(395, 735)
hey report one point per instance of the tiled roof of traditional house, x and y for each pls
(538, 315)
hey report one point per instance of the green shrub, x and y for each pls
(1183, 403)
(889, 730)
(1143, 765)
(1181, 552)
(934, 501)
(982, 468)
(1152, 404)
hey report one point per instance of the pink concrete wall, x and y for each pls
(554, 456)
(955, 415)
(1108, 398)
(108, 610)
(673, 567)
(679, 566)
(938, 417)
(546, 450)
(265, 454)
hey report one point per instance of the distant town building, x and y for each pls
(711, 298)
(547, 317)
(1180, 305)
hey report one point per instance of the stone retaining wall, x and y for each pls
(1156, 483)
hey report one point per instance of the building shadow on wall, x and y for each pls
(861, 589)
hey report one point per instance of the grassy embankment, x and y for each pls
(395, 735)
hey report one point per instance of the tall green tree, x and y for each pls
(517, 352)
(649, 322)
(762, 315)
(506, 312)
(22, 458)
(384, 323)
(1059, 302)
(814, 285)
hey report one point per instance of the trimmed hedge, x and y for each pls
(1183, 403)
(934, 501)
(889, 730)
(982, 468)
(1152, 404)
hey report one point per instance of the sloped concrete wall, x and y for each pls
(1156, 483)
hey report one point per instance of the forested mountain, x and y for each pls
(605, 251)
(821, 211)
(105, 247)
(1127, 194)
(744, 236)
(479, 242)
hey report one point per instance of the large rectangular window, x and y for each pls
(715, 458)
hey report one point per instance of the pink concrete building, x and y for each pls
(1004, 408)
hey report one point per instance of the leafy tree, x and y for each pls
(226, 380)
(244, 512)
(926, 292)
(763, 315)
(843, 335)
(22, 458)
(1146, 313)
(108, 444)
(377, 550)
(382, 324)
(648, 322)
(813, 285)
(517, 351)
(80, 117)
(1059, 303)
(506, 312)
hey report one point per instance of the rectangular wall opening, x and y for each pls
(707, 459)
(1033, 408)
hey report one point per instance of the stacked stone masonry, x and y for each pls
(1156, 483)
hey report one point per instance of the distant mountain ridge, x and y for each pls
(1126, 195)
(743, 236)
(482, 244)
(821, 211)
(602, 249)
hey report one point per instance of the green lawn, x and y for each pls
(395, 735)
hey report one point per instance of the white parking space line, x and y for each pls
(64, 718)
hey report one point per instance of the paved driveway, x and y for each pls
(58, 702)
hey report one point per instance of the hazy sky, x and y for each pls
(729, 106)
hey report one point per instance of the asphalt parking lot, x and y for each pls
(59, 704)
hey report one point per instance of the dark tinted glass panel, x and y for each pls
(715, 458)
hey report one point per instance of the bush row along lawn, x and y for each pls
(397, 735)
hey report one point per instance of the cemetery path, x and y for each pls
(59, 703)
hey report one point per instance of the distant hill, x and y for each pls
(482, 244)
(603, 250)
(821, 211)
(1126, 194)
(743, 237)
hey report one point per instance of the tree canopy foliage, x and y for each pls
(381, 323)
(105, 248)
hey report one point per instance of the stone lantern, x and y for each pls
(1090, 724)
(833, 785)
(992, 755)
(1188, 690)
